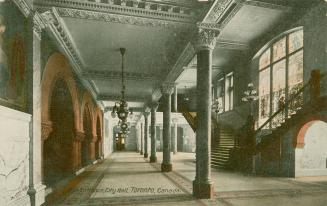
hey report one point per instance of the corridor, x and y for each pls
(126, 178)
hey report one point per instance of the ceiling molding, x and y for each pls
(128, 98)
(23, 7)
(232, 45)
(110, 75)
(218, 8)
(151, 15)
(57, 29)
(267, 5)
(186, 56)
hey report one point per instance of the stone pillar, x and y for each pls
(77, 147)
(153, 157)
(204, 43)
(142, 137)
(175, 109)
(146, 126)
(174, 136)
(36, 189)
(166, 90)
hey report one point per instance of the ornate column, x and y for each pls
(175, 99)
(154, 107)
(146, 126)
(166, 91)
(174, 136)
(204, 42)
(142, 137)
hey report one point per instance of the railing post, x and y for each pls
(315, 85)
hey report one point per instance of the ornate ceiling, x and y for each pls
(156, 34)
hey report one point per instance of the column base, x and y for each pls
(146, 155)
(203, 190)
(166, 167)
(153, 159)
(141, 153)
(37, 194)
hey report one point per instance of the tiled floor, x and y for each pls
(128, 179)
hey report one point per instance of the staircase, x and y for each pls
(220, 152)
(220, 155)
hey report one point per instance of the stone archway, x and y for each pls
(87, 153)
(57, 151)
(311, 153)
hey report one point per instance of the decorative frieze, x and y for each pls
(23, 7)
(217, 10)
(154, 10)
(122, 19)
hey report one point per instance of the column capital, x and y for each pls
(37, 24)
(153, 105)
(46, 129)
(205, 36)
(79, 135)
(167, 88)
(146, 114)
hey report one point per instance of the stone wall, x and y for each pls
(14, 157)
(311, 160)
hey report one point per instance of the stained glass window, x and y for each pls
(295, 41)
(287, 59)
(295, 79)
(279, 49)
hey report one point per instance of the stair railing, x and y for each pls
(283, 112)
(189, 118)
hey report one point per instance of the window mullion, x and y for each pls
(271, 86)
(286, 78)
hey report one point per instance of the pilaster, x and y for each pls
(36, 188)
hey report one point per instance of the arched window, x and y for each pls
(280, 74)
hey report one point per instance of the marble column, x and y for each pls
(166, 90)
(175, 109)
(146, 127)
(153, 157)
(174, 136)
(36, 189)
(204, 43)
(142, 137)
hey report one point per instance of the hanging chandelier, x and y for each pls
(121, 107)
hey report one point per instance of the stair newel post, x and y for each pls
(315, 85)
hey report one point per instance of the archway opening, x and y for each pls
(86, 143)
(57, 152)
(98, 142)
(311, 159)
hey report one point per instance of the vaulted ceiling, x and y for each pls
(156, 35)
